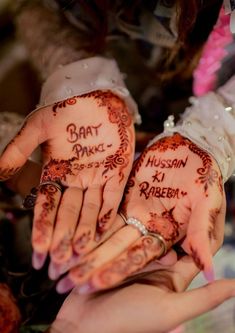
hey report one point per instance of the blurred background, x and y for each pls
(32, 290)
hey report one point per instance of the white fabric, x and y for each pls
(84, 76)
(208, 125)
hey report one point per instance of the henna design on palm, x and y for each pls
(63, 104)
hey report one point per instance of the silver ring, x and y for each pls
(50, 182)
(30, 199)
(144, 231)
(161, 241)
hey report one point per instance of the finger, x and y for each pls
(113, 247)
(105, 253)
(20, 148)
(197, 242)
(112, 195)
(67, 218)
(85, 232)
(132, 260)
(44, 216)
(186, 267)
(203, 299)
(168, 260)
(38, 259)
(56, 270)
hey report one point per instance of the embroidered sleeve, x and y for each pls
(210, 123)
(84, 76)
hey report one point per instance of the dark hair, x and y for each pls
(195, 21)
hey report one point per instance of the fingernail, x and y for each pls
(209, 275)
(54, 271)
(38, 260)
(98, 237)
(86, 288)
(64, 285)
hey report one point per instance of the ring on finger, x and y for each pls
(144, 231)
(30, 199)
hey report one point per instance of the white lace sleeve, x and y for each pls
(210, 123)
(84, 76)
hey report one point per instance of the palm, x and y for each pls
(171, 184)
(87, 147)
(148, 305)
(182, 205)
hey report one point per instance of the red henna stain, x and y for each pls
(82, 241)
(62, 247)
(135, 258)
(57, 170)
(147, 191)
(207, 175)
(196, 258)
(83, 269)
(166, 163)
(158, 176)
(63, 104)
(83, 132)
(42, 224)
(82, 166)
(165, 225)
(101, 226)
(213, 214)
(87, 151)
(118, 114)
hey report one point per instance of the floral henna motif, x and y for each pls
(43, 223)
(133, 260)
(103, 221)
(213, 214)
(81, 270)
(82, 241)
(196, 258)
(208, 176)
(118, 114)
(57, 170)
(61, 249)
(63, 104)
(164, 225)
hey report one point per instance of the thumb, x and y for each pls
(193, 303)
(197, 241)
(20, 148)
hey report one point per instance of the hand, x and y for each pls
(87, 147)
(175, 190)
(148, 305)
